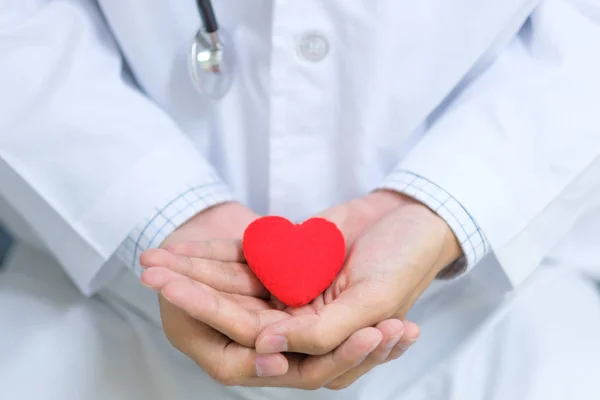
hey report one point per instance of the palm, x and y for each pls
(388, 267)
(214, 275)
(217, 309)
(219, 271)
(230, 316)
(391, 263)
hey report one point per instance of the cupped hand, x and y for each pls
(211, 349)
(389, 265)
(215, 308)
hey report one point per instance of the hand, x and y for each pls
(235, 321)
(212, 350)
(243, 313)
(223, 221)
(387, 269)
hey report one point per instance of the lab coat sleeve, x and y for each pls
(167, 217)
(519, 147)
(84, 156)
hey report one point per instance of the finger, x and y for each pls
(410, 337)
(320, 333)
(277, 304)
(250, 303)
(225, 361)
(221, 313)
(348, 222)
(230, 277)
(312, 308)
(157, 278)
(392, 331)
(315, 372)
(216, 250)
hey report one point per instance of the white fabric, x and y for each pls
(536, 345)
(103, 155)
(501, 115)
(127, 155)
(525, 134)
(539, 345)
(398, 112)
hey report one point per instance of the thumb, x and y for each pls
(318, 334)
(348, 220)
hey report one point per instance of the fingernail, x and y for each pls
(148, 285)
(265, 368)
(392, 343)
(153, 278)
(408, 344)
(147, 280)
(272, 344)
(367, 354)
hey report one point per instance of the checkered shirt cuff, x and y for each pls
(472, 240)
(171, 214)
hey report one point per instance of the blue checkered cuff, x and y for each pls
(474, 243)
(154, 229)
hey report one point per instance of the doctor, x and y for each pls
(481, 115)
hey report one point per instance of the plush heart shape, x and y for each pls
(295, 263)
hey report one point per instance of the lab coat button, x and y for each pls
(313, 47)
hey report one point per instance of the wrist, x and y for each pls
(384, 202)
(231, 213)
(450, 248)
(232, 218)
(226, 220)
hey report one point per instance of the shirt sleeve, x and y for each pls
(519, 144)
(167, 217)
(84, 155)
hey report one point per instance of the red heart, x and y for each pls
(295, 263)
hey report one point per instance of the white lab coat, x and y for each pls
(500, 114)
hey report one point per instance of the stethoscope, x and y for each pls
(211, 58)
